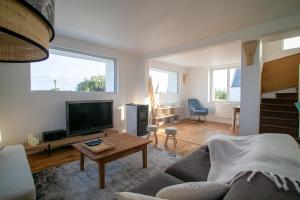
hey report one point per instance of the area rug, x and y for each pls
(68, 182)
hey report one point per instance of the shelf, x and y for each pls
(65, 141)
(167, 116)
(166, 108)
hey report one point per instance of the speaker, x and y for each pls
(54, 135)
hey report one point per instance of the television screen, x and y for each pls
(88, 116)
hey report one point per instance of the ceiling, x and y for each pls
(143, 26)
(225, 54)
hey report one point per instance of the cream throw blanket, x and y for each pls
(270, 154)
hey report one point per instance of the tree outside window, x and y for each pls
(72, 71)
(95, 83)
(226, 84)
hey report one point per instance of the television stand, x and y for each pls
(47, 146)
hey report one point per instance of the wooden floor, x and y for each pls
(191, 135)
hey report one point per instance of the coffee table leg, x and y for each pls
(145, 157)
(81, 161)
(101, 165)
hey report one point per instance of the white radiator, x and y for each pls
(223, 110)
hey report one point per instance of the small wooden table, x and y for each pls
(126, 144)
(236, 109)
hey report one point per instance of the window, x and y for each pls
(166, 81)
(71, 71)
(226, 84)
(291, 43)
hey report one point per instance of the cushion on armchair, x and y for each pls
(202, 111)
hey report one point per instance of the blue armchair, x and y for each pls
(196, 109)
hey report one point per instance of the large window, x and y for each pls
(291, 43)
(226, 84)
(72, 71)
(165, 80)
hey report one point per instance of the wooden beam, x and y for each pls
(249, 50)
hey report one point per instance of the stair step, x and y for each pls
(279, 107)
(279, 114)
(279, 129)
(287, 95)
(279, 101)
(279, 121)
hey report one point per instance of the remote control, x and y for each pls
(93, 142)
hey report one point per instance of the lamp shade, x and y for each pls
(26, 29)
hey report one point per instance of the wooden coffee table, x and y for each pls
(126, 144)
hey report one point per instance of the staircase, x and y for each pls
(280, 115)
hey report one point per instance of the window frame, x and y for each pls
(211, 96)
(167, 70)
(68, 50)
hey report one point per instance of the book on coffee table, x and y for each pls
(104, 146)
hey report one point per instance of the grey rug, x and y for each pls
(68, 182)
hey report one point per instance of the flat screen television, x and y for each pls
(85, 117)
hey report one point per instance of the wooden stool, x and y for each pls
(171, 133)
(152, 129)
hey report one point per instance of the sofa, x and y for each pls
(195, 167)
(16, 182)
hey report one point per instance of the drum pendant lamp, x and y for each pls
(26, 30)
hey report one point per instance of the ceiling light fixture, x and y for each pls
(26, 29)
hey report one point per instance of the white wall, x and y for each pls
(250, 94)
(23, 112)
(198, 86)
(171, 98)
(273, 50)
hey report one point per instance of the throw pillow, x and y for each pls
(134, 196)
(194, 191)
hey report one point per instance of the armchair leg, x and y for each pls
(199, 118)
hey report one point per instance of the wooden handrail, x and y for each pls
(280, 74)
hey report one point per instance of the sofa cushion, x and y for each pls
(16, 180)
(260, 187)
(134, 196)
(194, 191)
(154, 184)
(193, 168)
